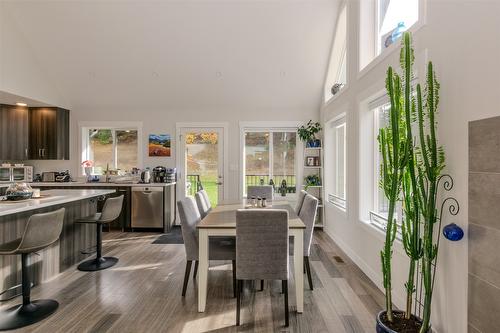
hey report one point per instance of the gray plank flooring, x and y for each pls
(142, 293)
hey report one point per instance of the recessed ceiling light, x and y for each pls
(21, 104)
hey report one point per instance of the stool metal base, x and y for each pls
(97, 264)
(23, 315)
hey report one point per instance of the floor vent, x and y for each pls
(338, 259)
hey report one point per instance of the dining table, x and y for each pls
(221, 221)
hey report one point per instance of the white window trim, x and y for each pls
(344, 56)
(116, 125)
(333, 198)
(266, 126)
(378, 58)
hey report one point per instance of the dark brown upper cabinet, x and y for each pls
(48, 134)
(13, 132)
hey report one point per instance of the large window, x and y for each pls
(379, 213)
(337, 69)
(394, 17)
(337, 194)
(269, 158)
(113, 148)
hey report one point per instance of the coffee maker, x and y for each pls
(159, 174)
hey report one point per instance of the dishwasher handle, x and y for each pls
(147, 189)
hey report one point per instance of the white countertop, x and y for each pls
(97, 184)
(53, 197)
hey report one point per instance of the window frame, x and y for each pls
(334, 70)
(268, 127)
(333, 196)
(376, 219)
(378, 57)
(114, 126)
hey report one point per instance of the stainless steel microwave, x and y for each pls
(9, 174)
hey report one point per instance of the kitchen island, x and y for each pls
(125, 222)
(62, 254)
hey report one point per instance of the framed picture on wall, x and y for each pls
(159, 145)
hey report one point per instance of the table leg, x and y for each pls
(298, 263)
(202, 269)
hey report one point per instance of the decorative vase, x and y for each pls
(317, 143)
(382, 328)
(310, 143)
(453, 232)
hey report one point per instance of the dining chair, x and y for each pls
(308, 216)
(203, 207)
(261, 250)
(300, 201)
(219, 249)
(204, 194)
(263, 191)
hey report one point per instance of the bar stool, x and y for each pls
(110, 212)
(41, 231)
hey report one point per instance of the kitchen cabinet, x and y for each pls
(13, 132)
(48, 134)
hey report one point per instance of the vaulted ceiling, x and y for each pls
(181, 54)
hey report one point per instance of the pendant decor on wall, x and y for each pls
(159, 145)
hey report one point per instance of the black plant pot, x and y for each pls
(382, 328)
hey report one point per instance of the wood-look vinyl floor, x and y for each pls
(142, 293)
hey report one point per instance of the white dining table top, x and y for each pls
(224, 216)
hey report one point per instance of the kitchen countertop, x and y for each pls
(97, 184)
(54, 197)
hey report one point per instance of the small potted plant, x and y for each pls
(312, 180)
(307, 134)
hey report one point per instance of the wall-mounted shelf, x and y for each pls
(315, 190)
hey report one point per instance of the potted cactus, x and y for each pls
(410, 174)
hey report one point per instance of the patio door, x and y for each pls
(201, 166)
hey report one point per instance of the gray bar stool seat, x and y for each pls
(110, 212)
(41, 231)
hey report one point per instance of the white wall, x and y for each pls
(461, 38)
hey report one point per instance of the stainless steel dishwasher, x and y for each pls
(147, 207)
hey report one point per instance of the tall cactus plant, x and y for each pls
(410, 225)
(413, 171)
(393, 148)
(430, 166)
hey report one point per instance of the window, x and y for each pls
(381, 24)
(394, 17)
(116, 148)
(337, 69)
(379, 213)
(269, 158)
(337, 195)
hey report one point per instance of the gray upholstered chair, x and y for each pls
(201, 202)
(261, 249)
(219, 248)
(207, 199)
(41, 231)
(300, 201)
(308, 216)
(110, 212)
(263, 191)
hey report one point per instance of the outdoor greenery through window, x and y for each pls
(202, 163)
(269, 158)
(337, 196)
(113, 148)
